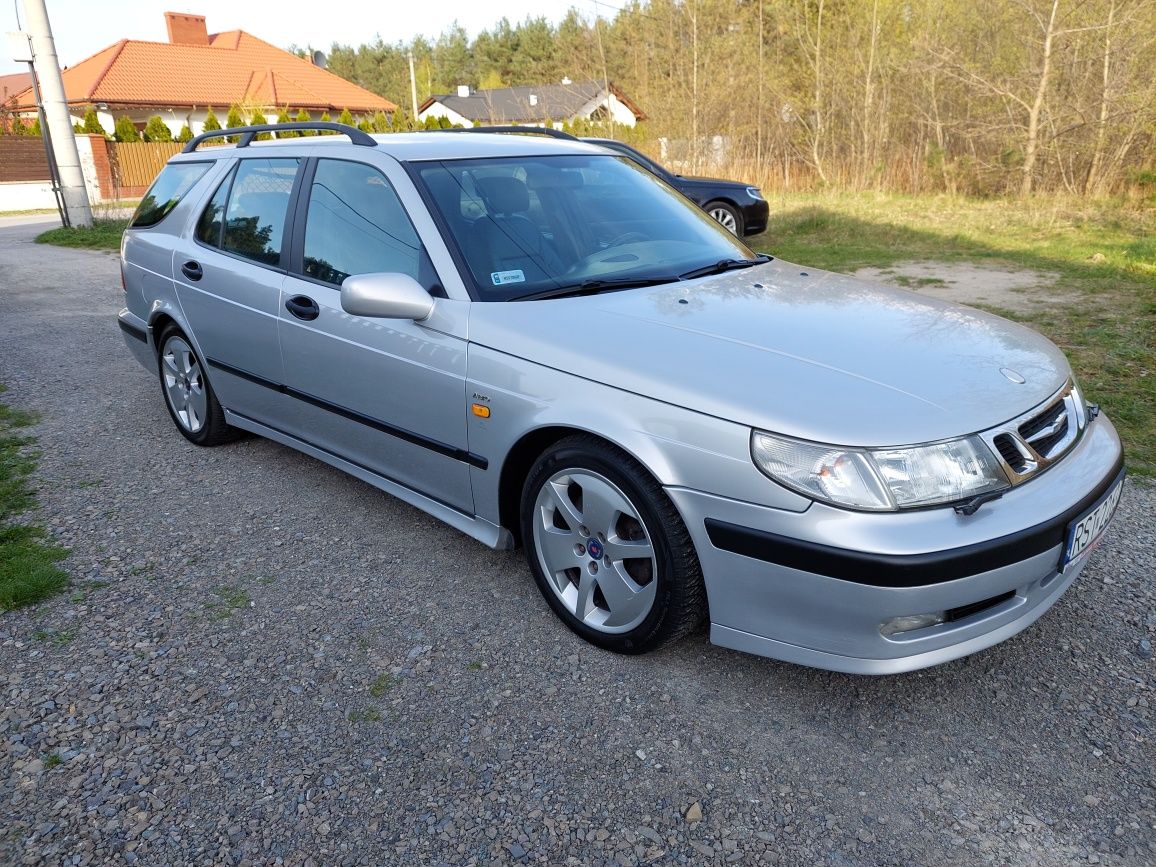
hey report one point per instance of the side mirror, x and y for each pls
(385, 296)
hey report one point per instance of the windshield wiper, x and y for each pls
(723, 265)
(593, 287)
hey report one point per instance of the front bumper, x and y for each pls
(755, 216)
(816, 587)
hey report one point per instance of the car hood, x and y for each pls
(711, 182)
(792, 350)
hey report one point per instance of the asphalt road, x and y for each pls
(264, 661)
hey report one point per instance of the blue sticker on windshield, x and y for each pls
(501, 278)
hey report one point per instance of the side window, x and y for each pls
(212, 218)
(255, 214)
(166, 192)
(357, 225)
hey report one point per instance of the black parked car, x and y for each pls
(738, 206)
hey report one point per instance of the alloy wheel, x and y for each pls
(184, 384)
(595, 550)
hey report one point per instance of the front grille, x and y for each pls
(1011, 454)
(1040, 437)
(1048, 428)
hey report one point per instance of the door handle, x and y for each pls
(303, 307)
(192, 270)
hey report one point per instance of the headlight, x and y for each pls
(755, 193)
(880, 479)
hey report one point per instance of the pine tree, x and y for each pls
(185, 135)
(126, 130)
(326, 118)
(381, 123)
(345, 117)
(258, 119)
(157, 130)
(303, 117)
(34, 127)
(283, 117)
(233, 120)
(365, 125)
(211, 122)
(92, 123)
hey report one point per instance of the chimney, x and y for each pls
(533, 99)
(463, 90)
(186, 29)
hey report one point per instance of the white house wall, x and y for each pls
(436, 109)
(617, 108)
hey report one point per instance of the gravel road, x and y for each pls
(263, 661)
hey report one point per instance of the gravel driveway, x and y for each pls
(263, 661)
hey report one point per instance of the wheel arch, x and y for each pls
(526, 450)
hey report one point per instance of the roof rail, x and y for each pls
(246, 134)
(524, 130)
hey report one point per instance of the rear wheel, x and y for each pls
(608, 549)
(188, 394)
(727, 215)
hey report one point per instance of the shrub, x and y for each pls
(92, 123)
(211, 122)
(381, 122)
(258, 119)
(157, 130)
(345, 117)
(125, 130)
(185, 135)
(303, 117)
(233, 120)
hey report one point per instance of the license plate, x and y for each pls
(1084, 533)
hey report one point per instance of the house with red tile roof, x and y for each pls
(195, 70)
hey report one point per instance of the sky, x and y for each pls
(83, 27)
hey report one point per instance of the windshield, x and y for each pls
(530, 226)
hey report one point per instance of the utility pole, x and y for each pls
(413, 87)
(59, 124)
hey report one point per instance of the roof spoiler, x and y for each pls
(524, 130)
(246, 134)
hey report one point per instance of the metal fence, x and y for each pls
(134, 164)
(22, 159)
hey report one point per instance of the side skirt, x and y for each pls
(478, 528)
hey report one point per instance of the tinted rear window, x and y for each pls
(167, 190)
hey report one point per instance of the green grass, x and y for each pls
(28, 570)
(104, 235)
(229, 599)
(382, 684)
(1102, 252)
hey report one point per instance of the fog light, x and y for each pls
(911, 622)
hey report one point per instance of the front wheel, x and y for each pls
(726, 215)
(608, 549)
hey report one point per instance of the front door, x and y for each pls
(388, 394)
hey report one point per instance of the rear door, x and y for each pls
(229, 273)
(388, 394)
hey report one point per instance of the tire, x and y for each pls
(629, 582)
(727, 215)
(189, 397)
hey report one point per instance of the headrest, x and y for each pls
(505, 195)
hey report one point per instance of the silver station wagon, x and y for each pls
(543, 345)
